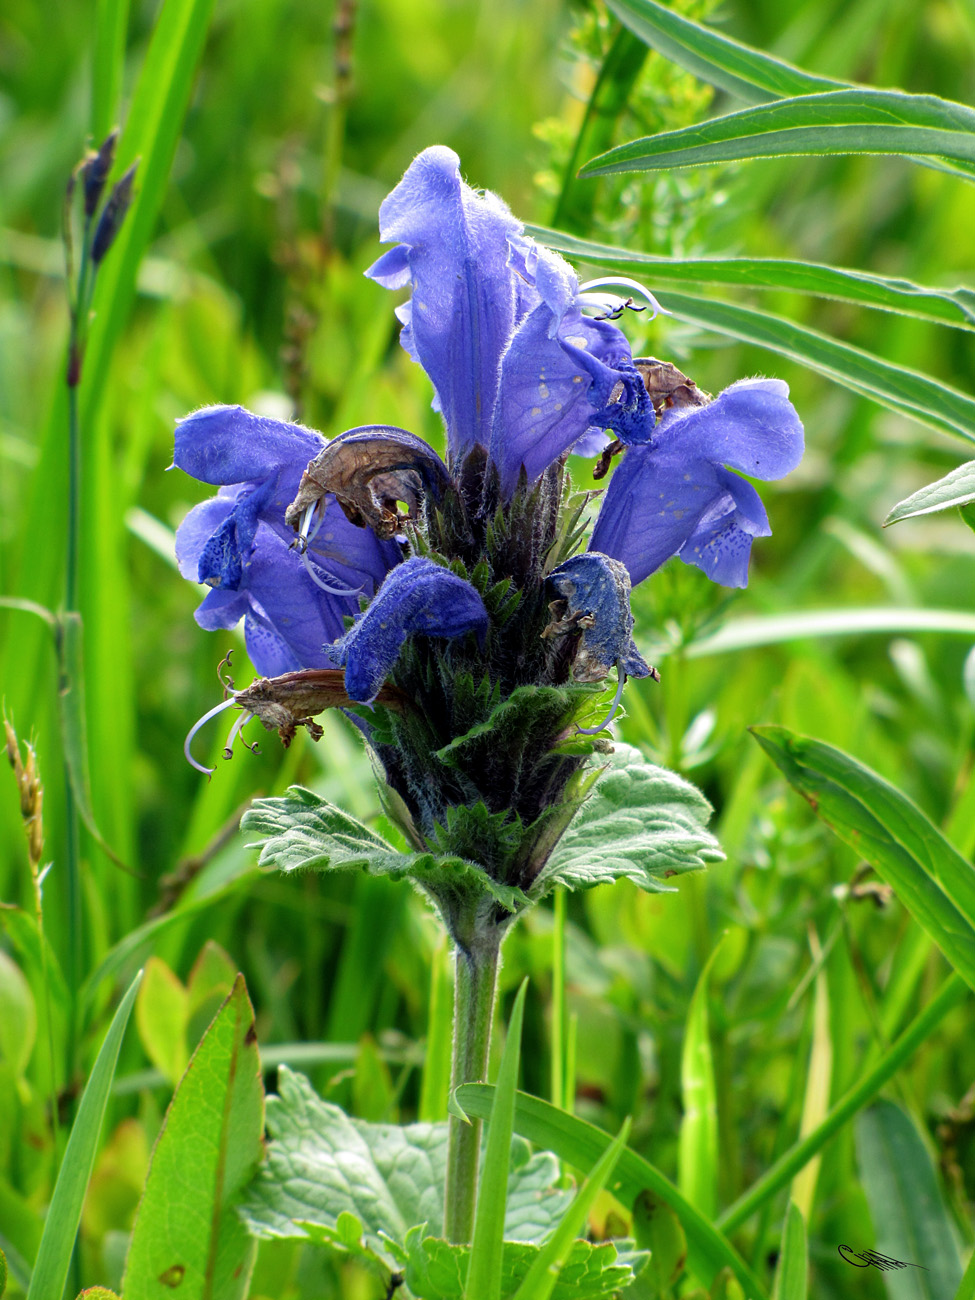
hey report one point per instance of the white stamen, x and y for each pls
(332, 591)
(591, 731)
(211, 713)
(228, 749)
(624, 282)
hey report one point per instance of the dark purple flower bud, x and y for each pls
(95, 170)
(113, 214)
(595, 601)
(419, 598)
(675, 496)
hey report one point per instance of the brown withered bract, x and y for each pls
(292, 700)
(369, 474)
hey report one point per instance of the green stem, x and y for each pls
(476, 977)
(558, 999)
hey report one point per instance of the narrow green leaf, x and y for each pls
(716, 59)
(61, 1226)
(3, 1272)
(946, 306)
(697, 1150)
(955, 489)
(906, 391)
(435, 1085)
(953, 992)
(909, 1215)
(581, 1145)
(857, 120)
(929, 876)
(484, 1268)
(187, 1234)
(966, 1288)
(658, 1229)
(107, 63)
(791, 1280)
(540, 1280)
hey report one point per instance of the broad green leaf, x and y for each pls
(716, 59)
(955, 489)
(61, 1226)
(657, 1229)
(857, 120)
(187, 1234)
(18, 1016)
(641, 822)
(911, 1222)
(391, 1177)
(97, 1293)
(20, 1233)
(581, 1144)
(484, 1266)
(953, 992)
(302, 831)
(791, 1274)
(947, 306)
(539, 1282)
(697, 1150)
(929, 876)
(906, 391)
(161, 1014)
(777, 629)
(435, 1269)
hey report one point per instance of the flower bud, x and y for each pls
(110, 222)
(95, 170)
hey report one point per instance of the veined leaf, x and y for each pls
(716, 59)
(929, 876)
(61, 1225)
(187, 1234)
(955, 489)
(857, 120)
(581, 1144)
(906, 391)
(946, 306)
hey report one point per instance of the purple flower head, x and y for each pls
(675, 496)
(497, 323)
(419, 598)
(238, 544)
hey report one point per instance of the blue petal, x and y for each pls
(268, 652)
(752, 426)
(722, 541)
(226, 552)
(596, 589)
(222, 609)
(464, 299)
(196, 530)
(228, 444)
(561, 375)
(417, 598)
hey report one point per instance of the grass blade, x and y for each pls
(539, 1282)
(731, 66)
(815, 1105)
(952, 992)
(955, 489)
(61, 1226)
(107, 65)
(946, 306)
(697, 1151)
(857, 120)
(187, 1234)
(484, 1268)
(791, 1274)
(581, 1145)
(907, 391)
(909, 1214)
(929, 876)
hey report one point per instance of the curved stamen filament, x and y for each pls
(228, 749)
(591, 731)
(339, 590)
(623, 282)
(211, 713)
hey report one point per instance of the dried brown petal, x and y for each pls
(292, 700)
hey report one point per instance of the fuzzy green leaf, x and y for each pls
(955, 489)
(321, 1163)
(641, 822)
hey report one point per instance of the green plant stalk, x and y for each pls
(558, 999)
(951, 993)
(476, 977)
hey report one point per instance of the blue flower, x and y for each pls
(497, 324)
(419, 598)
(674, 495)
(239, 545)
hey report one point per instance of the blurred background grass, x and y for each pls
(301, 118)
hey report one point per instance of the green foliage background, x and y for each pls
(252, 291)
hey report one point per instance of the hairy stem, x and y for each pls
(476, 977)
